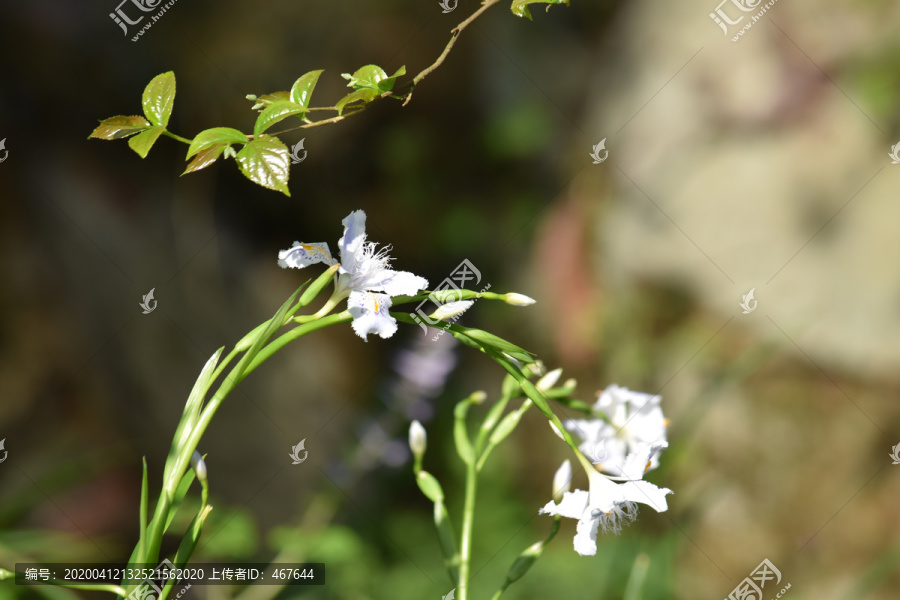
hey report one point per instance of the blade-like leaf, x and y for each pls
(115, 128)
(363, 95)
(142, 142)
(275, 112)
(302, 90)
(186, 548)
(217, 135)
(159, 96)
(520, 7)
(142, 543)
(266, 161)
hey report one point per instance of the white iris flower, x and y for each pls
(365, 276)
(609, 505)
(635, 419)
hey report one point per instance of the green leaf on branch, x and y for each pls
(374, 78)
(116, 128)
(267, 99)
(302, 89)
(142, 142)
(158, 98)
(364, 95)
(275, 112)
(208, 146)
(520, 7)
(266, 161)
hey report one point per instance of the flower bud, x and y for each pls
(478, 397)
(549, 380)
(418, 439)
(518, 299)
(450, 310)
(198, 465)
(562, 481)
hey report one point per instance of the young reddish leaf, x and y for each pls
(205, 158)
(303, 88)
(275, 112)
(142, 142)
(217, 135)
(363, 95)
(159, 96)
(266, 161)
(115, 128)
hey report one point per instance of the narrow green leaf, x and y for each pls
(273, 325)
(188, 543)
(159, 96)
(145, 493)
(266, 161)
(363, 95)
(430, 486)
(275, 112)
(115, 128)
(209, 138)
(142, 142)
(520, 7)
(180, 494)
(302, 90)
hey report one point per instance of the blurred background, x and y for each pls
(761, 164)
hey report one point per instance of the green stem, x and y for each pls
(465, 551)
(167, 495)
(177, 137)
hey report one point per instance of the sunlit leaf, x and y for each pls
(266, 161)
(373, 77)
(363, 95)
(159, 95)
(211, 137)
(275, 112)
(520, 7)
(302, 90)
(267, 99)
(142, 142)
(115, 128)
